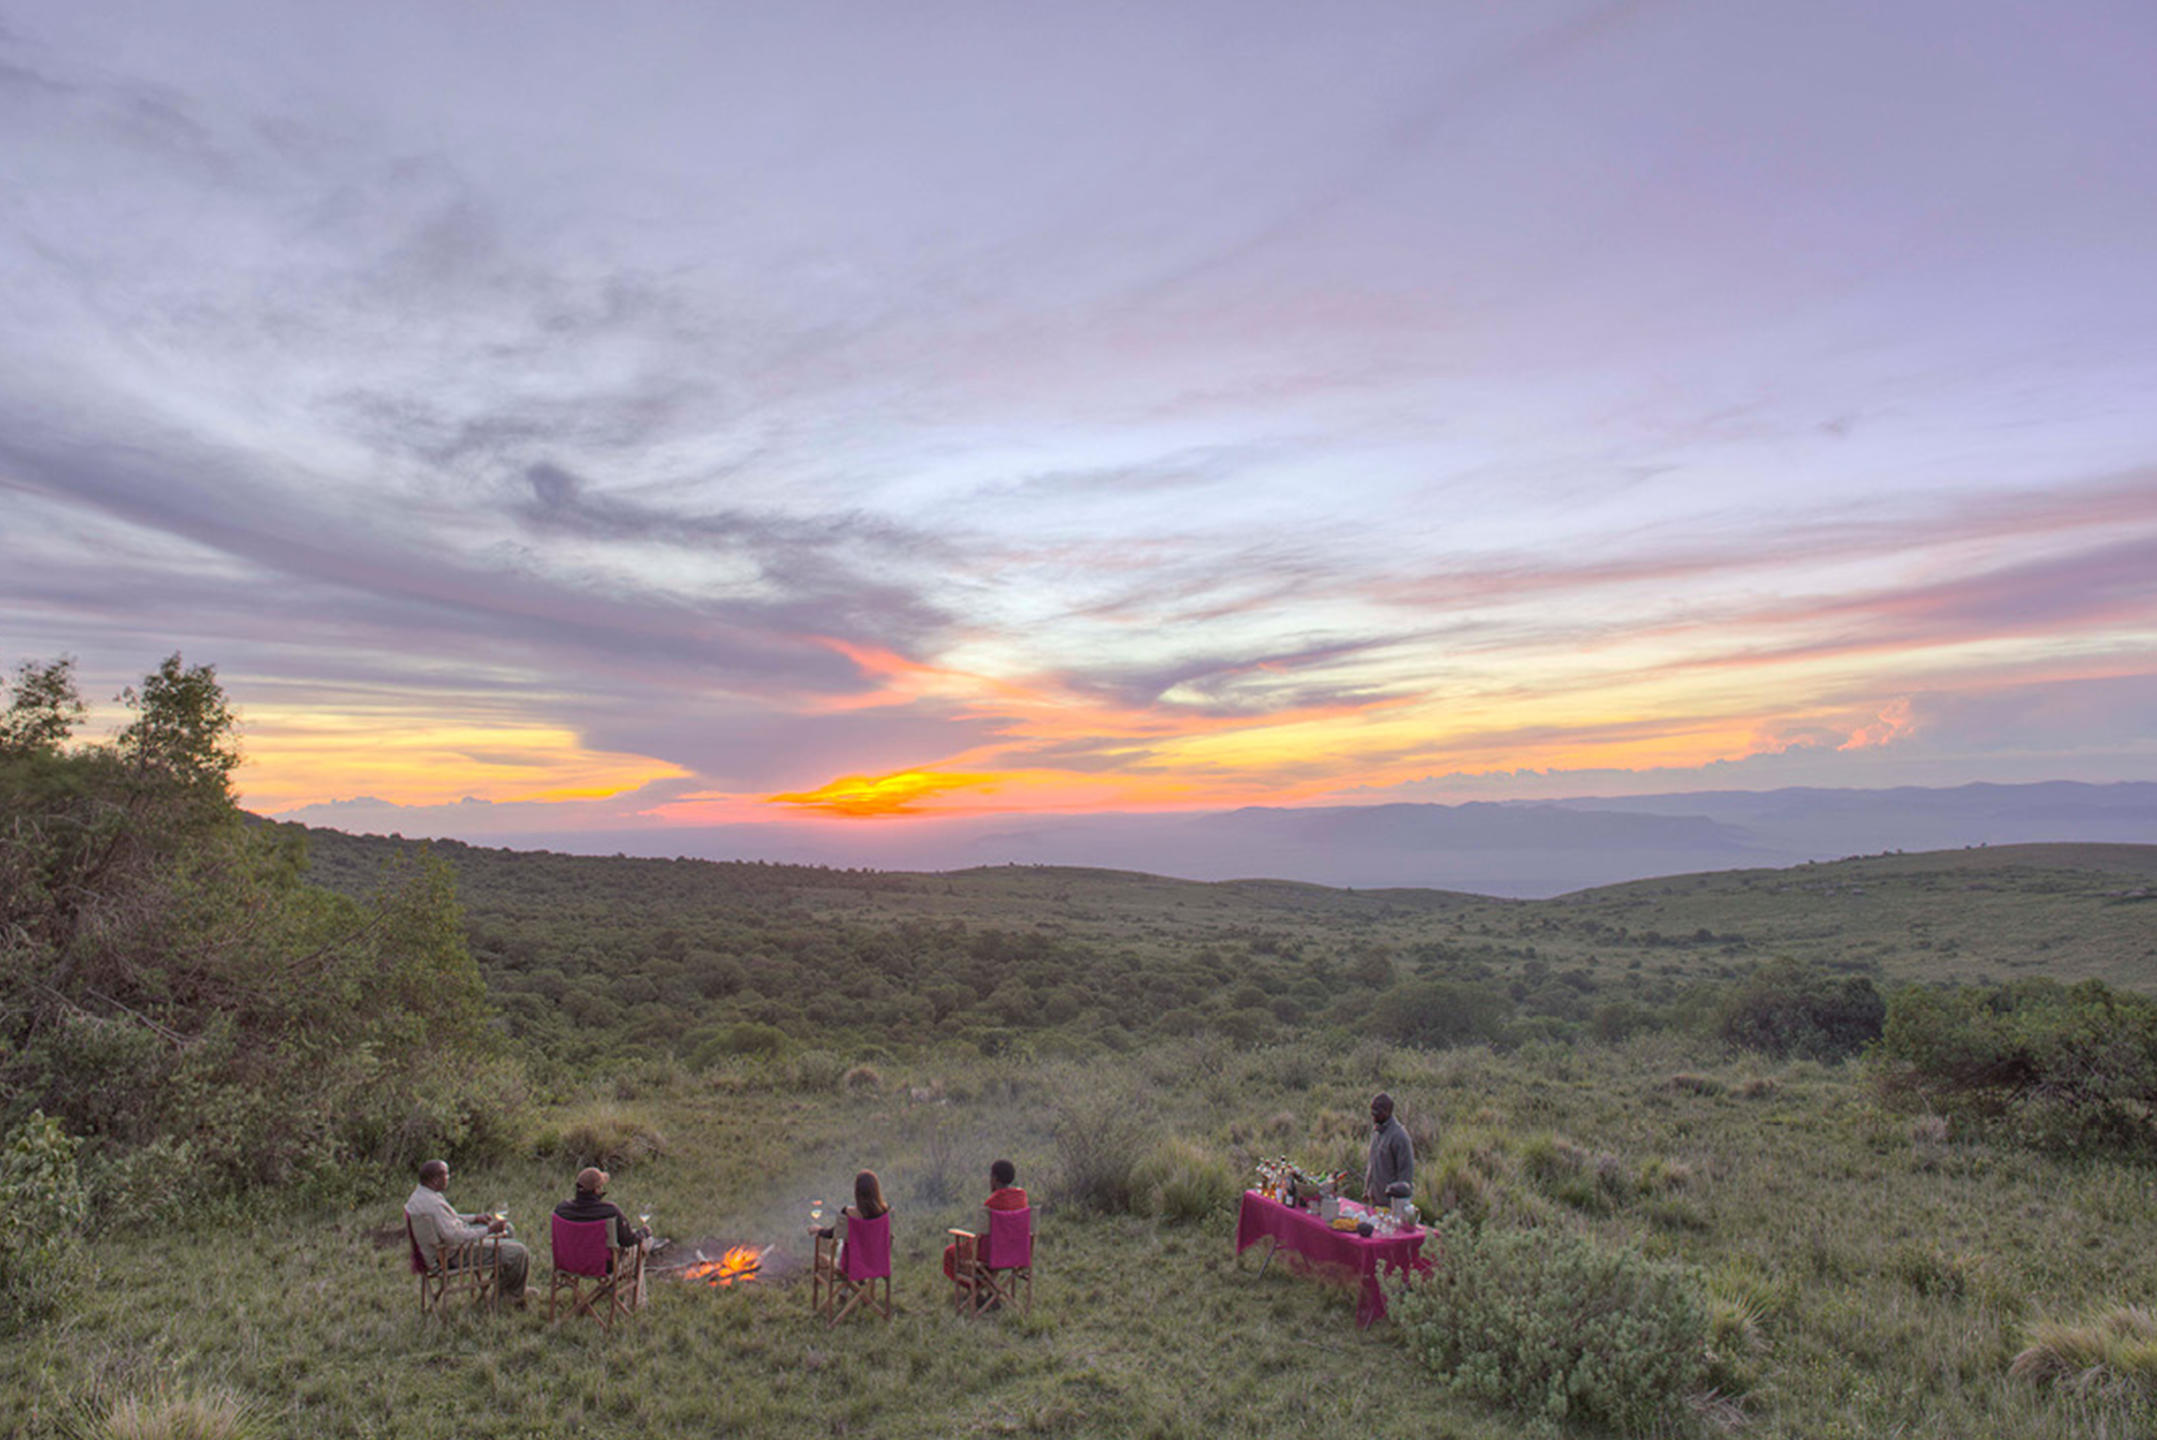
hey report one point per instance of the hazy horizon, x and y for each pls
(713, 415)
(1517, 848)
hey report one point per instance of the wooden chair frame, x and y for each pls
(833, 1296)
(468, 1269)
(618, 1292)
(975, 1287)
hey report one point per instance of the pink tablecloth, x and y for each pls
(1340, 1254)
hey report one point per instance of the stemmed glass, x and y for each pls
(501, 1212)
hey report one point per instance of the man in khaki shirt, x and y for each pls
(436, 1222)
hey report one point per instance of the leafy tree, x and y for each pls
(43, 711)
(169, 979)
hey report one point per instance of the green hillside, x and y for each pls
(588, 954)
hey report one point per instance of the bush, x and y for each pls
(1179, 1180)
(749, 1037)
(1786, 1008)
(1555, 1326)
(603, 1133)
(818, 1071)
(41, 1195)
(2072, 1068)
(1100, 1133)
(139, 1188)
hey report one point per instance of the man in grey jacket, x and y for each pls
(1393, 1154)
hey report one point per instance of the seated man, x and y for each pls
(1004, 1194)
(435, 1222)
(590, 1203)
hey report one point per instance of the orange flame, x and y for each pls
(741, 1262)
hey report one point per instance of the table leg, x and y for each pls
(1273, 1245)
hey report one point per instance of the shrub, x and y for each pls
(136, 1189)
(1179, 1180)
(863, 1079)
(1100, 1133)
(748, 1037)
(1786, 1008)
(818, 1071)
(2066, 1068)
(602, 1133)
(1557, 1327)
(41, 1195)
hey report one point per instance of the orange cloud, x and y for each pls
(896, 794)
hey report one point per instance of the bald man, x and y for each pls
(1393, 1154)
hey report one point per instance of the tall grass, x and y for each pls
(1825, 1260)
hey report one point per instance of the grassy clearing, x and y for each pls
(1863, 1276)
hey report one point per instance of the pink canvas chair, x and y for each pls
(457, 1268)
(992, 1270)
(584, 1251)
(845, 1277)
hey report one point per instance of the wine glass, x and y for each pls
(501, 1212)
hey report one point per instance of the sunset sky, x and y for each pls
(678, 414)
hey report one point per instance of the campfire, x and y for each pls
(741, 1263)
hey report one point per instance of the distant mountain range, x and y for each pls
(1512, 848)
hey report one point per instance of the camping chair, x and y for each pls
(457, 1268)
(844, 1277)
(991, 1270)
(585, 1250)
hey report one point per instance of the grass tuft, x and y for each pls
(2114, 1353)
(211, 1415)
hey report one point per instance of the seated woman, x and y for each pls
(1004, 1194)
(868, 1205)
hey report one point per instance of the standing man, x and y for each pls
(435, 1222)
(1393, 1154)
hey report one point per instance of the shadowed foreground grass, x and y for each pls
(1877, 1275)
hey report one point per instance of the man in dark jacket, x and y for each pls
(1393, 1154)
(590, 1203)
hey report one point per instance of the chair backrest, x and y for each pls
(582, 1247)
(1010, 1242)
(868, 1248)
(420, 1265)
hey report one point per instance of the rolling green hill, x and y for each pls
(587, 953)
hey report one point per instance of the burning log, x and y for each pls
(739, 1264)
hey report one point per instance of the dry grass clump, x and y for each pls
(2114, 1353)
(1182, 1180)
(863, 1080)
(211, 1415)
(1929, 1130)
(1758, 1087)
(1658, 1175)
(1696, 1084)
(603, 1132)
